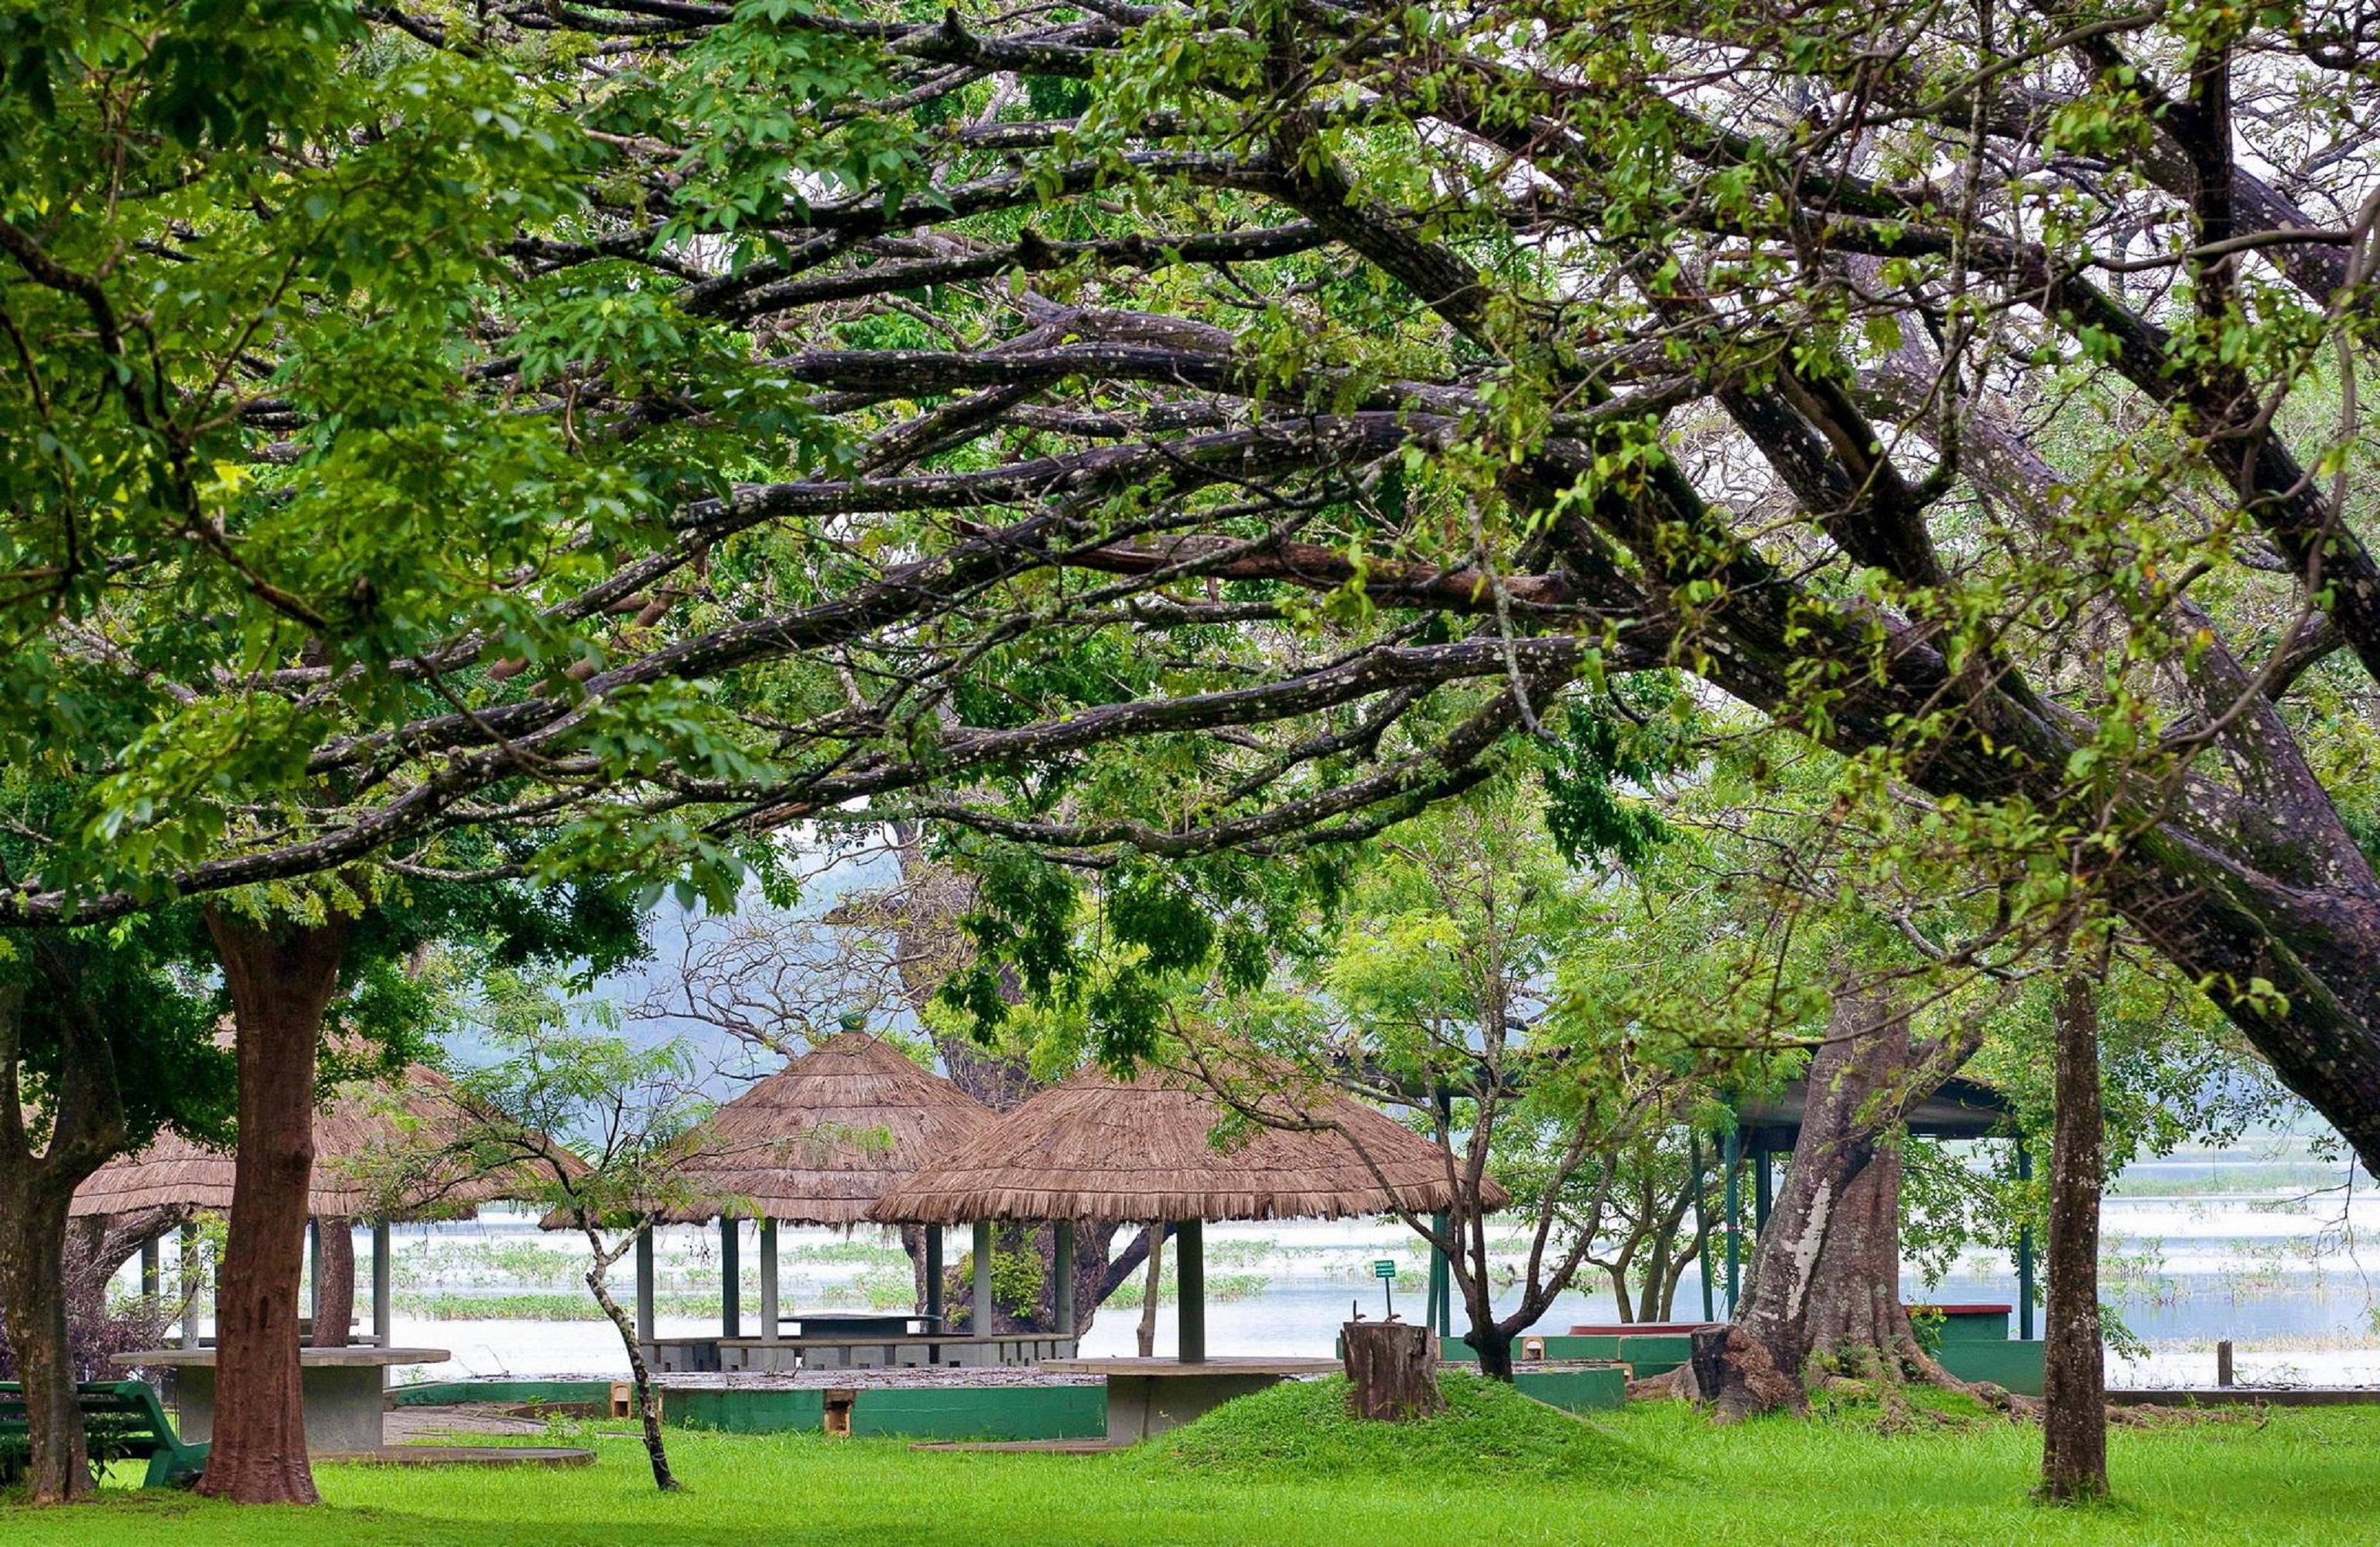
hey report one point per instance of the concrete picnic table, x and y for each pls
(343, 1387)
(1147, 1396)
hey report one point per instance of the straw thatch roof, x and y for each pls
(819, 1141)
(1100, 1148)
(381, 1150)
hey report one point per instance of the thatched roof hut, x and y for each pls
(819, 1141)
(384, 1150)
(1100, 1148)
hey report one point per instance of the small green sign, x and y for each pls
(1384, 1268)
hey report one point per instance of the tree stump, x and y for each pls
(1392, 1371)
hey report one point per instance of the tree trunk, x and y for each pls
(1493, 1343)
(1826, 1277)
(1147, 1330)
(33, 1293)
(2074, 1417)
(281, 981)
(85, 1129)
(335, 1312)
(649, 1411)
(1392, 1371)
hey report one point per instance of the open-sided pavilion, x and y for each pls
(815, 1143)
(1097, 1148)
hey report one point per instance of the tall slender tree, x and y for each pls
(2074, 1382)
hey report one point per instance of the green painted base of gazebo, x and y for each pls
(1005, 1413)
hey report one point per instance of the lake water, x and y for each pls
(2288, 1278)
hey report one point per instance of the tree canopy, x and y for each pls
(1182, 428)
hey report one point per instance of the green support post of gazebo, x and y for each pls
(731, 1277)
(934, 1276)
(2023, 1253)
(1732, 1161)
(1762, 1192)
(1438, 1314)
(1702, 1230)
(1190, 1272)
(645, 1283)
(1061, 1254)
(979, 1317)
(149, 1269)
(768, 1319)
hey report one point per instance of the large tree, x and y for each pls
(337, 963)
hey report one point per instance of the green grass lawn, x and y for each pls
(1656, 1474)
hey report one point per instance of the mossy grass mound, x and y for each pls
(1488, 1432)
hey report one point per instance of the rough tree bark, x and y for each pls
(86, 1128)
(281, 980)
(1392, 1371)
(1825, 1277)
(335, 1312)
(1488, 1337)
(2074, 1416)
(32, 1291)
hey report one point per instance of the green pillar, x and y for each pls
(1190, 1272)
(384, 1284)
(1440, 1313)
(2025, 1251)
(645, 1283)
(979, 1320)
(1702, 1228)
(769, 1318)
(149, 1274)
(1734, 1160)
(731, 1277)
(934, 1272)
(1761, 1193)
(1062, 1254)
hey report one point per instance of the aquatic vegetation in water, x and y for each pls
(2137, 1276)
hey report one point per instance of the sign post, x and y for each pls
(1385, 1270)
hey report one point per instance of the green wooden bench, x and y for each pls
(121, 1420)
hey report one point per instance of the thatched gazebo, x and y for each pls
(815, 1143)
(384, 1150)
(1097, 1148)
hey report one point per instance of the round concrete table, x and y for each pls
(343, 1390)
